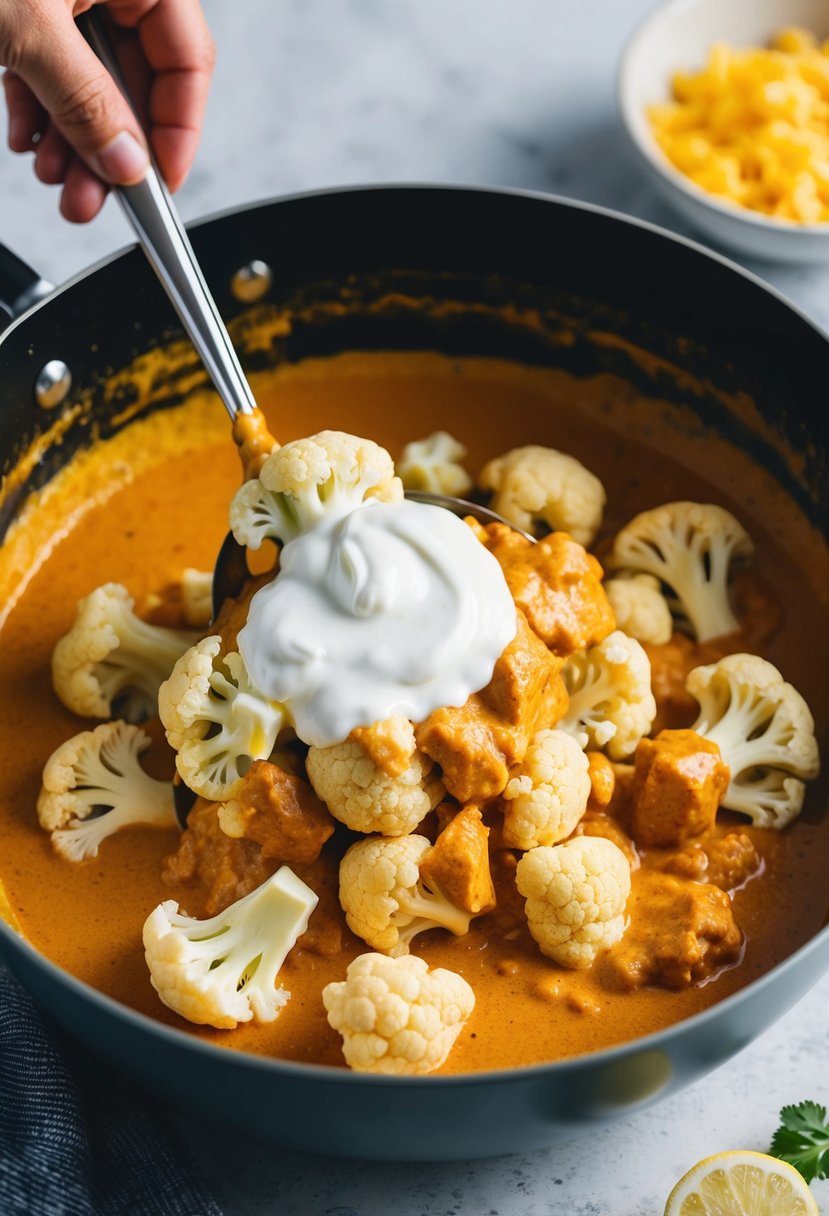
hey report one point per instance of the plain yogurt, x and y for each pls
(396, 608)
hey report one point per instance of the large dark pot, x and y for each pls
(569, 265)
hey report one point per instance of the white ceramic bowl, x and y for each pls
(677, 36)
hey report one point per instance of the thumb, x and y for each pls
(85, 104)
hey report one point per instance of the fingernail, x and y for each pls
(123, 160)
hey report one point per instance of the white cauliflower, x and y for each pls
(432, 464)
(364, 797)
(223, 971)
(93, 785)
(576, 896)
(110, 654)
(197, 596)
(535, 485)
(689, 547)
(384, 898)
(216, 721)
(395, 1015)
(640, 608)
(548, 795)
(765, 732)
(324, 476)
(611, 702)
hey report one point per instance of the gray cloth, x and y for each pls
(77, 1139)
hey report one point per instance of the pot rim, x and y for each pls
(447, 188)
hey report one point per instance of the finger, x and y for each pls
(27, 118)
(177, 105)
(83, 100)
(180, 50)
(83, 192)
(52, 156)
(135, 70)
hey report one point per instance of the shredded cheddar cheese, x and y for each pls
(752, 128)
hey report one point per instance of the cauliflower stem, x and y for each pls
(222, 971)
(689, 546)
(765, 732)
(93, 786)
(110, 655)
(216, 721)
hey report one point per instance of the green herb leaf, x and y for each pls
(803, 1139)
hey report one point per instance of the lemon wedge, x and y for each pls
(741, 1183)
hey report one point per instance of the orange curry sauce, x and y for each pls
(154, 500)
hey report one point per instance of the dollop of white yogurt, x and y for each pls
(396, 608)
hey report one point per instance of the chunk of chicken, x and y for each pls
(557, 584)
(681, 933)
(280, 812)
(477, 744)
(387, 743)
(457, 865)
(678, 782)
(727, 862)
(226, 869)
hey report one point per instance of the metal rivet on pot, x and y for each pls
(53, 382)
(251, 281)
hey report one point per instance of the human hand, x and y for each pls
(64, 105)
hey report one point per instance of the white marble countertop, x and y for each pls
(310, 93)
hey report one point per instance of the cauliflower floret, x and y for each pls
(641, 610)
(395, 1015)
(611, 703)
(384, 898)
(223, 971)
(576, 895)
(536, 485)
(216, 721)
(93, 786)
(432, 464)
(765, 732)
(366, 798)
(689, 546)
(111, 653)
(548, 795)
(324, 476)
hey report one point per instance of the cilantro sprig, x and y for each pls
(802, 1139)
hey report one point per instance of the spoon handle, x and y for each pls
(153, 216)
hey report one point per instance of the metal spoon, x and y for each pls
(153, 216)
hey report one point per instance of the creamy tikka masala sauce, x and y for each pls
(153, 500)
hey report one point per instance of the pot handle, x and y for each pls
(20, 286)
